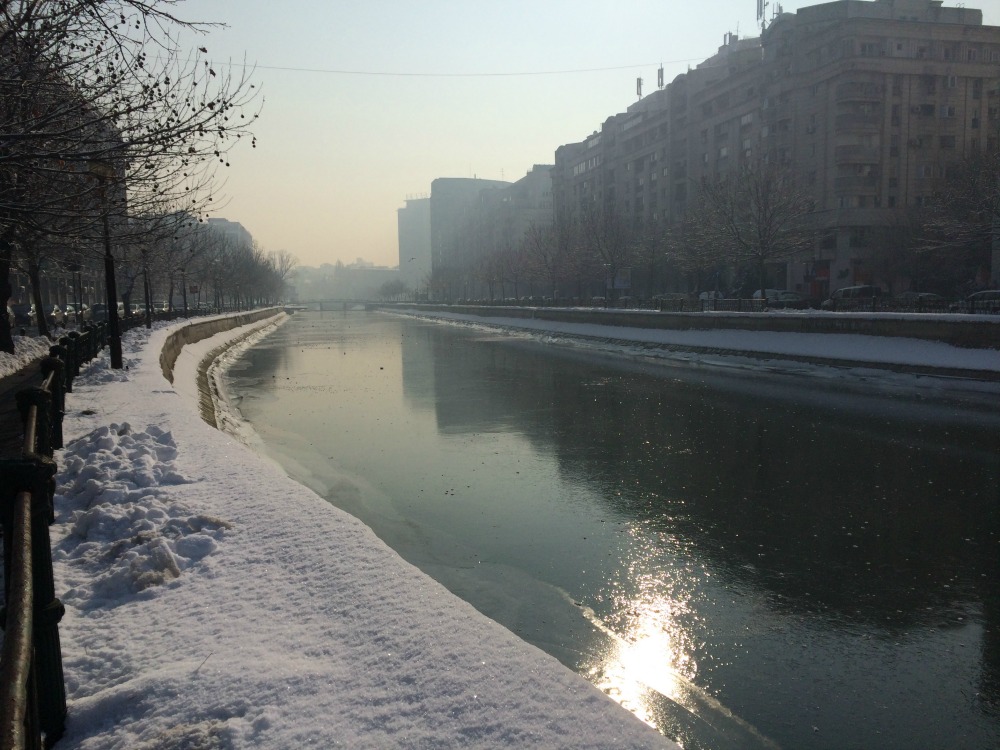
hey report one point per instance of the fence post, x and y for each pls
(36, 474)
(41, 399)
(61, 350)
(74, 353)
(54, 366)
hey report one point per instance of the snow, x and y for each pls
(213, 602)
(847, 347)
(26, 350)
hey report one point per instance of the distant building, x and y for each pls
(414, 226)
(871, 103)
(361, 280)
(231, 229)
(454, 219)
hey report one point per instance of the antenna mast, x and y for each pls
(762, 13)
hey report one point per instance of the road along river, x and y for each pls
(741, 559)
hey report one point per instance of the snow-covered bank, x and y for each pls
(26, 350)
(854, 350)
(213, 602)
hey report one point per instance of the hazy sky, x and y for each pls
(367, 101)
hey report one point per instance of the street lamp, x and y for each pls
(184, 291)
(104, 172)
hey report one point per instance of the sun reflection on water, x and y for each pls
(649, 663)
(650, 654)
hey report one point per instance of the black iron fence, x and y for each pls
(32, 687)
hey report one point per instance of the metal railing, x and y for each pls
(32, 686)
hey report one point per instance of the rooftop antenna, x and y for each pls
(659, 77)
(638, 87)
(762, 13)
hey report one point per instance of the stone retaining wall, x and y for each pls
(202, 329)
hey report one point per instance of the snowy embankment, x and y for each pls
(26, 351)
(849, 349)
(211, 601)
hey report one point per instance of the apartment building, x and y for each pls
(871, 103)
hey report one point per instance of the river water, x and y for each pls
(744, 560)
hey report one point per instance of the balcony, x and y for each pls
(855, 184)
(859, 121)
(857, 155)
(859, 92)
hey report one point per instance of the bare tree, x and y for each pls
(546, 255)
(98, 94)
(961, 222)
(752, 217)
(610, 243)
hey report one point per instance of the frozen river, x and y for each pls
(741, 560)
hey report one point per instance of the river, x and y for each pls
(743, 559)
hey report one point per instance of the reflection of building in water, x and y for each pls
(419, 387)
(828, 507)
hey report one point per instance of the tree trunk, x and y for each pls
(35, 277)
(6, 336)
(763, 282)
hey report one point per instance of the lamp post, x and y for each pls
(184, 291)
(104, 171)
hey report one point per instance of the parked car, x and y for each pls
(789, 301)
(770, 294)
(986, 301)
(10, 315)
(851, 297)
(56, 316)
(24, 314)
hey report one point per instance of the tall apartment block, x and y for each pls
(870, 102)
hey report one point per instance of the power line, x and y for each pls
(418, 74)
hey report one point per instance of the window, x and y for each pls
(747, 119)
(947, 110)
(951, 81)
(724, 152)
(972, 55)
(947, 141)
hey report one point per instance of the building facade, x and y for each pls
(871, 103)
(413, 223)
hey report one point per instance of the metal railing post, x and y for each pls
(36, 475)
(53, 370)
